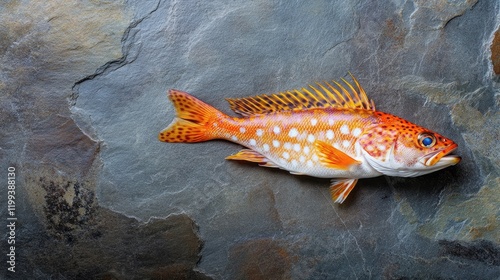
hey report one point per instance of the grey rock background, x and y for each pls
(82, 99)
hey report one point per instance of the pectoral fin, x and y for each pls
(340, 189)
(332, 157)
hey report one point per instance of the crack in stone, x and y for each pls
(127, 42)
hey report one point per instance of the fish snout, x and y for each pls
(442, 156)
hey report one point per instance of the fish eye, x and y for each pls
(426, 140)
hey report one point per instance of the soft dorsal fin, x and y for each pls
(322, 95)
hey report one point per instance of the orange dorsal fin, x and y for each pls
(332, 157)
(193, 120)
(341, 188)
(322, 95)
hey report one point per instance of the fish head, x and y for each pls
(396, 147)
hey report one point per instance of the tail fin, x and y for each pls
(193, 122)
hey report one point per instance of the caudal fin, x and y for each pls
(193, 122)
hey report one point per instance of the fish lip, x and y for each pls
(450, 159)
(441, 156)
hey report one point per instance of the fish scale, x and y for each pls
(294, 136)
(321, 131)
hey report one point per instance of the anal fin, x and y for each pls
(270, 164)
(248, 155)
(253, 156)
(332, 157)
(340, 189)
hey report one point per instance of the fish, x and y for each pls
(326, 130)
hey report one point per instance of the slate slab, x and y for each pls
(84, 95)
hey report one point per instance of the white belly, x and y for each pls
(310, 164)
(363, 170)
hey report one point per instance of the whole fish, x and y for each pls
(327, 130)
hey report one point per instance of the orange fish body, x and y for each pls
(324, 131)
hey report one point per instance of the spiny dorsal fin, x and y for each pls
(323, 95)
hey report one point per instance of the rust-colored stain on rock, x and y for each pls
(395, 32)
(260, 259)
(495, 52)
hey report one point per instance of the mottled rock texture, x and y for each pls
(82, 99)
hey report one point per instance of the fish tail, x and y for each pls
(193, 122)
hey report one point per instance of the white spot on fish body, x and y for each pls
(266, 147)
(329, 134)
(336, 145)
(287, 145)
(381, 147)
(310, 138)
(309, 163)
(331, 122)
(243, 130)
(286, 155)
(356, 132)
(293, 132)
(276, 130)
(294, 163)
(344, 129)
(314, 121)
(252, 142)
(215, 124)
(296, 147)
(346, 143)
(259, 132)
(276, 143)
(306, 150)
(234, 138)
(302, 159)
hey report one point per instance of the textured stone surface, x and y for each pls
(83, 88)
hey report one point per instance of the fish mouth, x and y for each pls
(441, 157)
